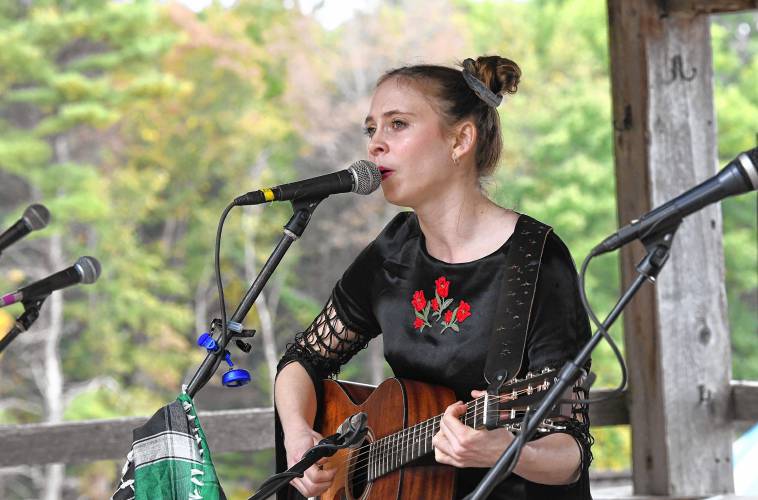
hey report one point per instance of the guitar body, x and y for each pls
(391, 407)
(395, 461)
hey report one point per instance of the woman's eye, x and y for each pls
(368, 131)
(398, 124)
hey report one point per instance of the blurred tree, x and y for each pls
(735, 60)
(69, 72)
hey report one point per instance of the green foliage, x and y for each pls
(735, 60)
(612, 445)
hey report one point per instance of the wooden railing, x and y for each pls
(235, 430)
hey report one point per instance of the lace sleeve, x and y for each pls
(325, 345)
(578, 426)
(575, 421)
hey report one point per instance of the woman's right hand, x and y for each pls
(316, 479)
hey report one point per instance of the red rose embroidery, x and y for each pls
(442, 286)
(419, 301)
(464, 311)
(438, 307)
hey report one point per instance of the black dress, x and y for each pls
(436, 319)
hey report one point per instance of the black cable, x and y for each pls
(583, 296)
(217, 263)
(220, 287)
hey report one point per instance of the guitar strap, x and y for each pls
(514, 308)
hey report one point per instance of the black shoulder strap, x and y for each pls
(514, 307)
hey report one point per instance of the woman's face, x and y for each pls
(408, 143)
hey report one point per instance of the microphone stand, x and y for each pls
(25, 321)
(658, 246)
(303, 210)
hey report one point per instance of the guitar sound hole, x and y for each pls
(357, 479)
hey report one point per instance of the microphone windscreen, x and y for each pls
(36, 216)
(89, 269)
(367, 177)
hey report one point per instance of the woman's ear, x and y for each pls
(464, 138)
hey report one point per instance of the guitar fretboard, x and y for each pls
(392, 452)
(395, 450)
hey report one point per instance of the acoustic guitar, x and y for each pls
(395, 460)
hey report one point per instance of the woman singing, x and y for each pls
(430, 284)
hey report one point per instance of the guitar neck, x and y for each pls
(504, 410)
(396, 450)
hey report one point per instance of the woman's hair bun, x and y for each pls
(499, 74)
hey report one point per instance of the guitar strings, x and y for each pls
(386, 451)
(382, 452)
(386, 448)
(392, 443)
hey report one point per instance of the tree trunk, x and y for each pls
(266, 308)
(266, 314)
(376, 360)
(201, 302)
(53, 389)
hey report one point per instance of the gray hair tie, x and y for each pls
(479, 88)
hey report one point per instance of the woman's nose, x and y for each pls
(377, 145)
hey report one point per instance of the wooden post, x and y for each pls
(677, 337)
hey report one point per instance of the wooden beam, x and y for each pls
(676, 333)
(612, 412)
(237, 430)
(745, 400)
(87, 441)
(697, 7)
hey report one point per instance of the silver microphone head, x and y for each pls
(89, 269)
(36, 216)
(366, 176)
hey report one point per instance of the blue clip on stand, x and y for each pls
(234, 377)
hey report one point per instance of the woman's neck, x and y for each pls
(464, 226)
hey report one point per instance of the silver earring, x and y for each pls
(455, 160)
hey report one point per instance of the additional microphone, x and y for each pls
(361, 177)
(739, 176)
(85, 270)
(35, 217)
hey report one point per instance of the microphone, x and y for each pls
(35, 217)
(85, 270)
(739, 176)
(361, 177)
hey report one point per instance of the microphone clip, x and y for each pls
(31, 312)
(658, 247)
(24, 321)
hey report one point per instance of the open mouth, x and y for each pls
(386, 172)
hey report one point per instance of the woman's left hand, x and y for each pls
(462, 446)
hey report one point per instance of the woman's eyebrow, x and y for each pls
(389, 113)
